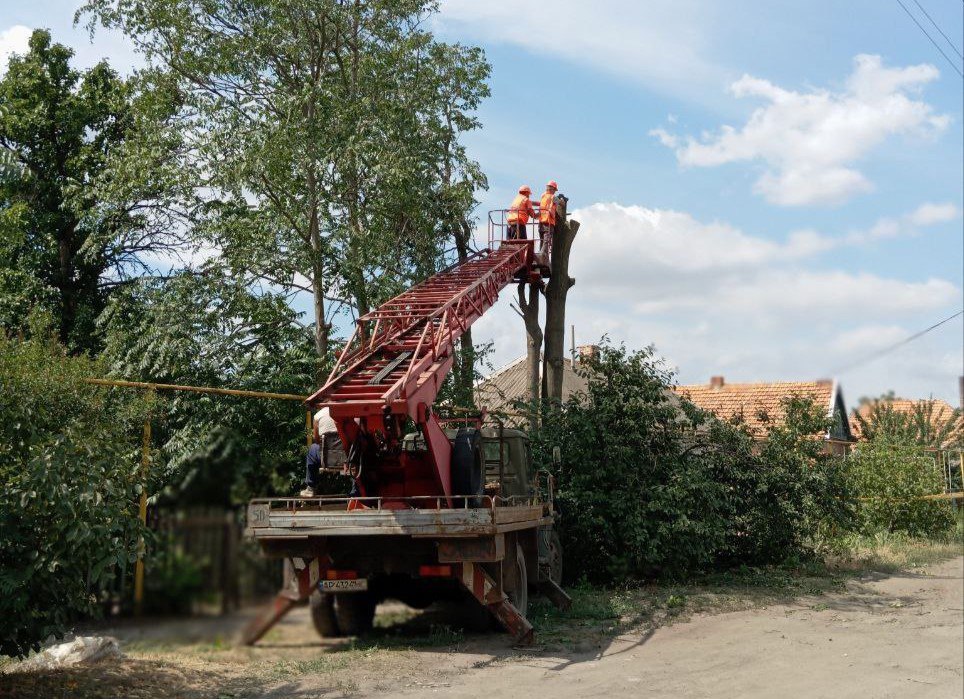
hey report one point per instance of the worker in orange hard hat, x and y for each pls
(519, 213)
(547, 214)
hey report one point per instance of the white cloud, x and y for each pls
(716, 299)
(810, 140)
(868, 338)
(929, 214)
(653, 43)
(13, 40)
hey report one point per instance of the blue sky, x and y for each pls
(768, 190)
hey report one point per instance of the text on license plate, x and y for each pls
(359, 585)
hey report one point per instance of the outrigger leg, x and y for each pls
(301, 579)
(484, 589)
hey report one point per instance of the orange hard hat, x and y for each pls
(552, 183)
(524, 189)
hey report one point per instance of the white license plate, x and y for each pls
(359, 585)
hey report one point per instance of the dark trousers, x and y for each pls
(517, 231)
(313, 465)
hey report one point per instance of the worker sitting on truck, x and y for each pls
(547, 214)
(324, 434)
(519, 212)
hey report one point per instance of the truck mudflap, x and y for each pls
(481, 585)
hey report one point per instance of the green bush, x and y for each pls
(70, 471)
(890, 478)
(173, 581)
(650, 486)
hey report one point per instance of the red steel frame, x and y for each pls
(393, 366)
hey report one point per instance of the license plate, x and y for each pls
(359, 585)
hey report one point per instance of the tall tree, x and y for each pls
(87, 186)
(326, 126)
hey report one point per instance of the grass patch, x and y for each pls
(887, 553)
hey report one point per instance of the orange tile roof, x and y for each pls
(759, 405)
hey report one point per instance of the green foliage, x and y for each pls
(172, 581)
(209, 329)
(784, 494)
(86, 188)
(329, 132)
(651, 486)
(70, 468)
(890, 477)
(927, 424)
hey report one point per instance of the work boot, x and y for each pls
(307, 493)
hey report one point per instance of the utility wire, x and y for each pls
(886, 350)
(946, 38)
(936, 45)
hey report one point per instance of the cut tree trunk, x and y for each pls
(530, 315)
(556, 292)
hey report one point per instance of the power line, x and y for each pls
(936, 45)
(946, 38)
(887, 350)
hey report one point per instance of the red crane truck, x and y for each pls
(435, 513)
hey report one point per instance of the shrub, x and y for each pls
(71, 476)
(649, 485)
(889, 478)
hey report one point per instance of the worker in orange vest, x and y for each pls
(519, 213)
(547, 213)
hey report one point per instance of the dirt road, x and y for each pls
(901, 635)
(878, 635)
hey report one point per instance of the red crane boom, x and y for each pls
(393, 367)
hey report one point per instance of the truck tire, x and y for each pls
(467, 465)
(518, 593)
(323, 615)
(354, 612)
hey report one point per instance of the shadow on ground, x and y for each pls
(428, 649)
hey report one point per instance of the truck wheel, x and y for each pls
(518, 593)
(323, 615)
(354, 612)
(467, 468)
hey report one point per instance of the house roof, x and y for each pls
(500, 390)
(941, 411)
(759, 405)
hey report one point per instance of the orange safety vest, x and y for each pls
(521, 210)
(547, 209)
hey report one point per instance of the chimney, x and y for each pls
(588, 352)
(716, 382)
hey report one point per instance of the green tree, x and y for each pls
(70, 468)
(891, 476)
(330, 130)
(927, 424)
(88, 187)
(208, 328)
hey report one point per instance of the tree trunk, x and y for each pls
(464, 366)
(318, 291)
(556, 292)
(530, 315)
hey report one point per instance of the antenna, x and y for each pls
(572, 351)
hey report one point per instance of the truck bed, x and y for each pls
(303, 518)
